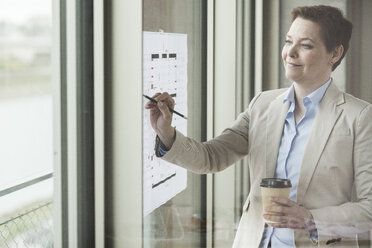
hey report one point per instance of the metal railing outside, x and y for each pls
(32, 227)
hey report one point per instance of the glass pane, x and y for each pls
(351, 60)
(26, 159)
(179, 222)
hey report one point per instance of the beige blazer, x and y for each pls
(335, 181)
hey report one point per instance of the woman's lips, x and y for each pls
(293, 64)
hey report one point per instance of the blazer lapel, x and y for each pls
(275, 123)
(327, 115)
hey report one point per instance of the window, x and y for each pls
(26, 144)
(180, 222)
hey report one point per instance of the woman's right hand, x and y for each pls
(161, 117)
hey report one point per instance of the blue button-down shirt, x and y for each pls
(291, 150)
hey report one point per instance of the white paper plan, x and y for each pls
(164, 70)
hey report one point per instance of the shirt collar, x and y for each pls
(314, 97)
(290, 95)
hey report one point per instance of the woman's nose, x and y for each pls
(292, 51)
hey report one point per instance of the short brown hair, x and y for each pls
(335, 29)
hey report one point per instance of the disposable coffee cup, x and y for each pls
(274, 187)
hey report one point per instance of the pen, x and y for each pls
(170, 109)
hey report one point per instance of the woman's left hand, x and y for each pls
(289, 214)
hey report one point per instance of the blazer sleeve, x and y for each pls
(353, 217)
(215, 154)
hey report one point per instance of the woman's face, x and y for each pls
(305, 57)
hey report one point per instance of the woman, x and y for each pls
(312, 133)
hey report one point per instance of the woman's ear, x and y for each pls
(337, 54)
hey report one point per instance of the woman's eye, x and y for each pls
(288, 42)
(306, 46)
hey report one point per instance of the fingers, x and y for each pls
(289, 207)
(279, 209)
(287, 214)
(156, 95)
(164, 110)
(166, 98)
(282, 206)
(283, 201)
(160, 97)
(160, 103)
(150, 104)
(284, 221)
(287, 225)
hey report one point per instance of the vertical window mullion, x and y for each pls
(85, 123)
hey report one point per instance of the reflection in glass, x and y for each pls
(180, 222)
